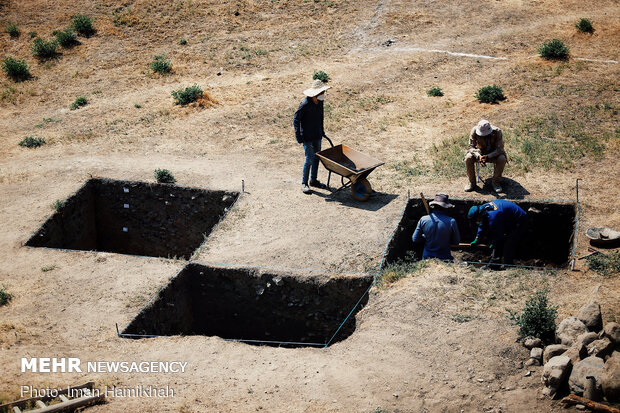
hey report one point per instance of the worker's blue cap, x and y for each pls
(473, 212)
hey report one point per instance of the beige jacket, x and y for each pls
(491, 145)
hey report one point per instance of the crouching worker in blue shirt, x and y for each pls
(437, 231)
(503, 222)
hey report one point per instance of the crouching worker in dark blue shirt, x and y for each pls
(308, 123)
(503, 222)
(437, 231)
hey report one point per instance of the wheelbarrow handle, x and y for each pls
(329, 140)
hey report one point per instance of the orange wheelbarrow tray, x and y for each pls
(351, 164)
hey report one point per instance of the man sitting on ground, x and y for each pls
(437, 231)
(486, 144)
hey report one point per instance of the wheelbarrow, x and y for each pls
(351, 164)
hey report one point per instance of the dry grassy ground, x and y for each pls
(256, 58)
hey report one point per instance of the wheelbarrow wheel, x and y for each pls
(361, 190)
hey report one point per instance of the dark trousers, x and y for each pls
(507, 246)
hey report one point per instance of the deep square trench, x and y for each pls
(137, 218)
(547, 241)
(253, 305)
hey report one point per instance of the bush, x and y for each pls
(83, 25)
(66, 38)
(164, 176)
(44, 49)
(160, 64)
(182, 42)
(585, 26)
(435, 91)
(56, 206)
(32, 34)
(79, 102)
(5, 297)
(32, 142)
(537, 319)
(554, 50)
(16, 69)
(187, 95)
(490, 94)
(12, 29)
(605, 264)
(321, 75)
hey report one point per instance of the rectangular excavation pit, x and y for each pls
(253, 305)
(137, 218)
(547, 241)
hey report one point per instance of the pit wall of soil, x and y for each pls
(547, 241)
(251, 304)
(136, 218)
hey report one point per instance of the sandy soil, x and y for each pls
(412, 350)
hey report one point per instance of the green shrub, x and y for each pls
(160, 64)
(56, 206)
(402, 268)
(585, 26)
(321, 75)
(490, 94)
(66, 38)
(79, 102)
(83, 25)
(5, 297)
(554, 50)
(16, 69)
(435, 91)
(12, 29)
(32, 34)
(188, 95)
(537, 318)
(44, 49)
(605, 264)
(164, 176)
(32, 142)
(182, 42)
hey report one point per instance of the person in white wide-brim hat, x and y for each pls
(486, 144)
(308, 123)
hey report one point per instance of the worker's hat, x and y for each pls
(441, 200)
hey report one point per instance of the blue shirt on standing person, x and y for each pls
(438, 231)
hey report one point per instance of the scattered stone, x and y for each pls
(590, 366)
(531, 342)
(388, 42)
(610, 378)
(600, 348)
(532, 362)
(590, 315)
(580, 407)
(536, 353)
(612, 330)
(569, 329)
(552, 351)
(555, 373)
(528, 374)
(586, 338)
(576, 353)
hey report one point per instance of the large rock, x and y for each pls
(552, 351)
(610, 378)
(569, 329)
(590, 366)
(536, 353)
(590, 315)
(612, 330)
(586, 338)
(600, 348)
(554, 374)
(576, 353)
